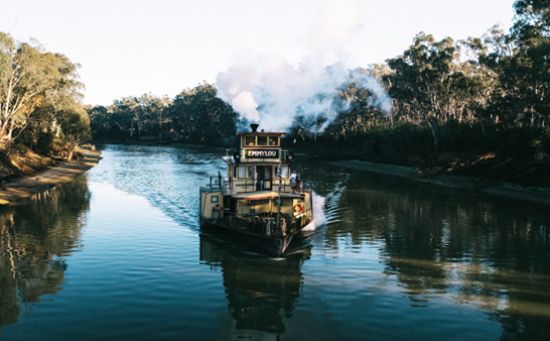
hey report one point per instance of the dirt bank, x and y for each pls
(18, 189)
(463, 183)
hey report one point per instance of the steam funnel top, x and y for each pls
(254, 127)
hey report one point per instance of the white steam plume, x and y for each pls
(273, 92)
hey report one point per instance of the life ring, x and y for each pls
(298, 208)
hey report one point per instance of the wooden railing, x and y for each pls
(257, 223)
(240, 186)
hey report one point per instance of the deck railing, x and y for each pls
(243, 186)
(260, 220)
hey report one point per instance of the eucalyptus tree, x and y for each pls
(59, 120)
(198, 116)
(431, 85)
(39, 89)
(195, 115)
(152, 114)
(19, 86)
(523, 98)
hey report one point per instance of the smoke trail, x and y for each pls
(273, 92)
(380, 98)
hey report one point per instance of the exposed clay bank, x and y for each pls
(19, 189)
(460, 183)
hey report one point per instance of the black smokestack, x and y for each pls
(254, 127)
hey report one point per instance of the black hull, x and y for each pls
(273, 246)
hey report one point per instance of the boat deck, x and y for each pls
(259, 195)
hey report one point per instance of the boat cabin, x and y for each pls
(261, 199)
(259, 163)
(260, 182)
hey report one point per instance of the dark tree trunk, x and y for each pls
(435, 134)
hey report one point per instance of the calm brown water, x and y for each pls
(118, 254)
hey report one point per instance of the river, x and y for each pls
(119, 254)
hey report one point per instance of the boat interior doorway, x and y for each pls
(264, 176)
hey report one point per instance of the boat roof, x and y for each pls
(265, 195)
(270, 133)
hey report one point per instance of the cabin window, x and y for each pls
(250, 140)
(262, 140)
(214, 199)
(245, 171)
(254, 203)
(273, 140)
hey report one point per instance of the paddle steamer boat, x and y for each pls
(261, 201)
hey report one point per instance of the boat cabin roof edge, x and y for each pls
(264, 133)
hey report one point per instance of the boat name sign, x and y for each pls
(262, 153)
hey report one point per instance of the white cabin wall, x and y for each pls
(207, 205)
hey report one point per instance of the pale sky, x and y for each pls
(130, 47)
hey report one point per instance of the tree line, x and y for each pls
(468, 97)
(443, 91)
(40, 101)
(484, 95)
(498, 79)
(194, 116)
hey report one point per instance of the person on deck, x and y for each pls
(293, 180)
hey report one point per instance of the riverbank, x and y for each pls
(456, 182)
(21, 188)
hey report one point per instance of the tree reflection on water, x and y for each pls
(34, 239)
(462, 247)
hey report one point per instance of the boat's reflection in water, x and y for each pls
(261, 291)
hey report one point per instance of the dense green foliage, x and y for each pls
(194, 116)
(456, 102)
(39, 100)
